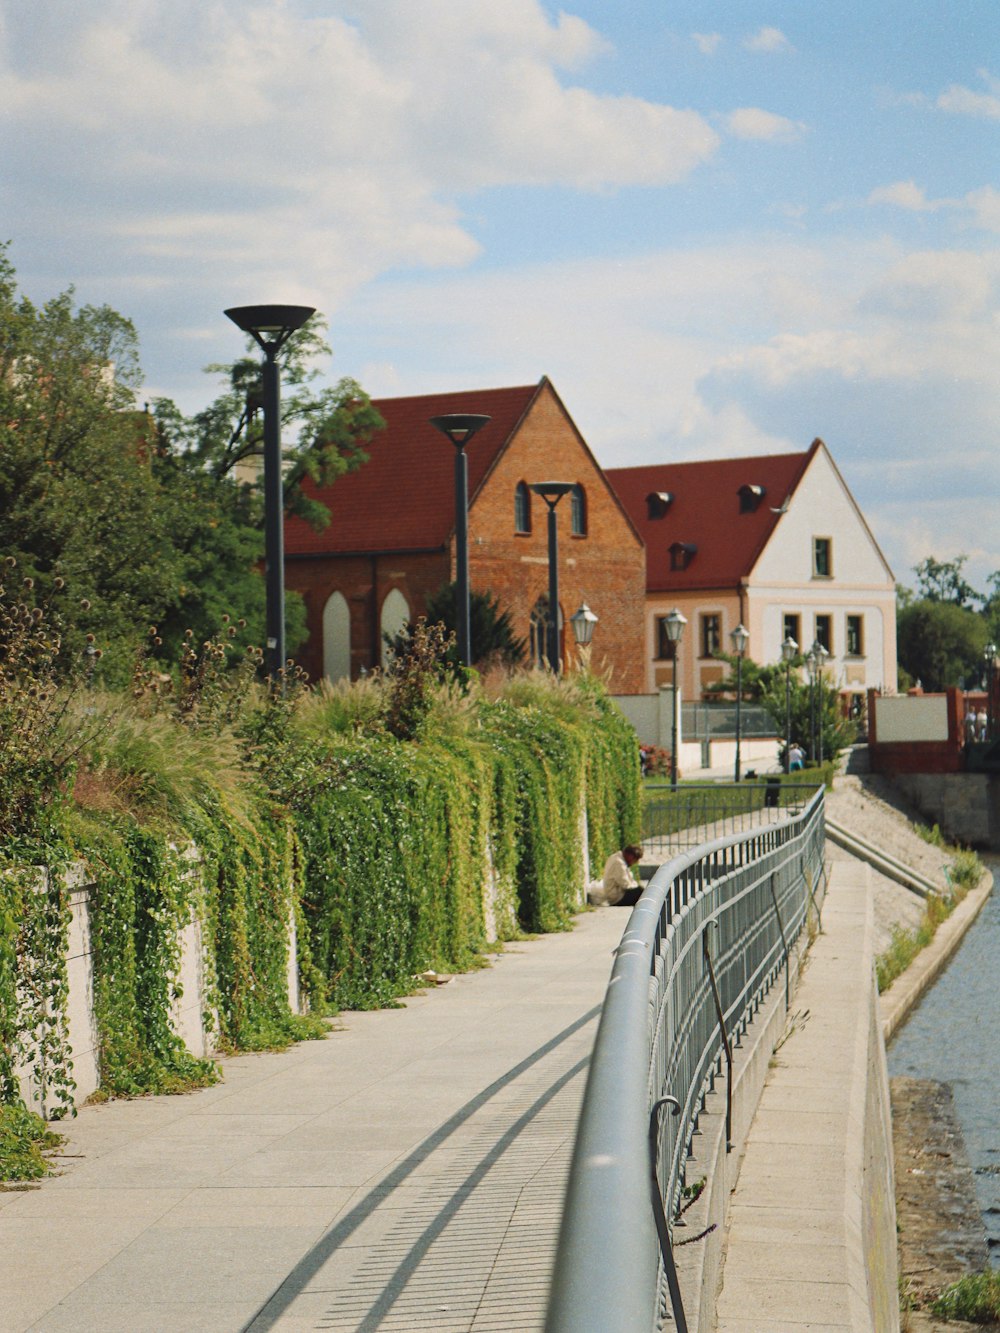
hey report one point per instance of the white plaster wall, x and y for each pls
(912, 718)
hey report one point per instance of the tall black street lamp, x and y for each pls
(460, 427)
(739, 637)
(552, 492)
(789, 650)
(271, 326)
(674, 624)
(816, 661)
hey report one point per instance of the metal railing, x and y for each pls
(709, 721)
(697, 813)
(707, 940)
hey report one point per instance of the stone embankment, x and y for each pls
(941, 1232)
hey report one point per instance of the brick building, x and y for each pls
(390, 542)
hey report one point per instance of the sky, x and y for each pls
(721, 228)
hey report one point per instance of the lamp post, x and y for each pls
(584, 623)
(812, 661)
(816, 657)
(460, 427)
(789, 649)
(990, 655)
(739, 637)
(552, 492)
(675, 623)
(271, 326)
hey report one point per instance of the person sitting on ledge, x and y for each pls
(618, 887)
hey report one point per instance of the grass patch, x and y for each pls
(963, 874)
(975, 1299)
(25, 1138)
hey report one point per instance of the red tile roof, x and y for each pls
(403, 498)
(705, 513)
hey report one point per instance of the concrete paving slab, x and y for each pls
(304, 1193)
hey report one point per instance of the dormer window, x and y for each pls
(750, 498)
(681, 555)
(658, 502)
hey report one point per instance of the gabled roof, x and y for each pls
(705, 512)
(403, 498)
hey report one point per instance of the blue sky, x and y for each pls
(719, 228)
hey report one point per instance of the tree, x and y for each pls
(940, 643)
(943, 581)
(765, 685)
(324, 432)
(492, 634)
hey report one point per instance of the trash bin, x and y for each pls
(772, 792)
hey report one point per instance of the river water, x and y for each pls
(954, 1036)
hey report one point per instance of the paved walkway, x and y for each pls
(405, 1174)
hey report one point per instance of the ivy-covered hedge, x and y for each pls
(394, 854)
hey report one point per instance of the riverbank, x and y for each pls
(941, 1228)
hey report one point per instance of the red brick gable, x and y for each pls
(705, 513)
(403, 498)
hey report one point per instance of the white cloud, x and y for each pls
(964, 102)
(985, 206)
(768, 40)
(707, 42)
(907, 195)
(751, 122)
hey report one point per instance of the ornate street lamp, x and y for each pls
(584, 623)
(552, 492)
(789, 651)
(816, 661)
(739, 638)
(674, 624)
(271, 326)
(460, 427)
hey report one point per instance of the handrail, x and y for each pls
(659, 1037)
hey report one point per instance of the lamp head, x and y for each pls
(583, 622)
(551, 491)
(789, 649)
(739, 637)
(459, 426)
(675, 623)
(270, 326)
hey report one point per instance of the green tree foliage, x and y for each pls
(944, 581)
(940, 643)
(810, 706)
(324, 432)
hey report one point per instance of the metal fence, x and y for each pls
(709, 721)
(691, 814)
(705, 943)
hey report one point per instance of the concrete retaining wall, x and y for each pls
(188, 1011)
(966, 805)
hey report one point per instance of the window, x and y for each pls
(822, 557)
(792, 625)
(538, 632)
(658, 502)
(855, 642)
(824, 632)
(681, 555)
(711, 635)
(750, 498)
(665, 649)
(578, 512)
(522, 508)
